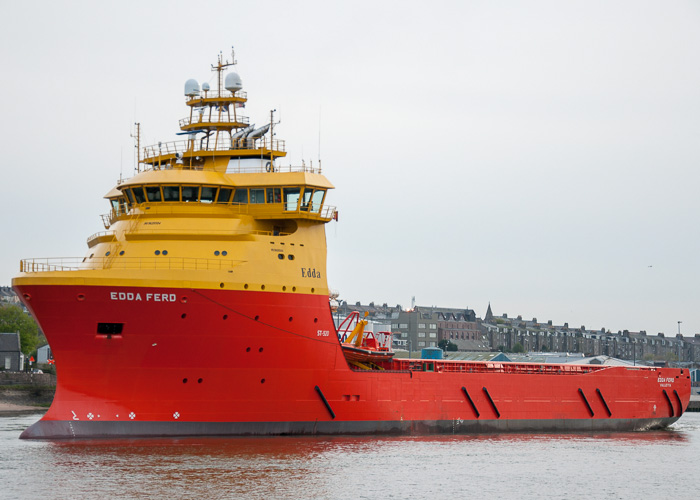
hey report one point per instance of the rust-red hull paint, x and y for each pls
(241, 362)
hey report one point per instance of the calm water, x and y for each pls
(661, 464)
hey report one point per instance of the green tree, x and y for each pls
(518, 347)
(446, 345)
(14, 319)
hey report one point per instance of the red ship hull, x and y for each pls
(216, 362)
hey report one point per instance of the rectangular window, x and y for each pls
(306, 199)
(129, 196)
(403, 325)
(224, 195)
(171, 193)
(432, 344)
(153, 193)
(190, 193)
(110, 328)
(421, 334)
(8, 363)
(208, 194)
(433, 326)
(421, 325)
(291, 199)
(394, 325)
(274, 195)
(404, 335)
(257, 196)
(421, 344)
(138, 194)
(433, 335)
(240, 196)
(317, 200)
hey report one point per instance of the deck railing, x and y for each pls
(429, 365)
(197, 144)
(226, 118)
(134, 263)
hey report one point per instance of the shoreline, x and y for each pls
(13, 409)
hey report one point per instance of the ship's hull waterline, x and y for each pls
(190, 362)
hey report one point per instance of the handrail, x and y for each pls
(99, 234)
(215, 94)
(494, 367)
(224, 144)
(213, 119)
(53, 264)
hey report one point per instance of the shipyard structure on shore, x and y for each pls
(420, 327)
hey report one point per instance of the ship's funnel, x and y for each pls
(191, 88)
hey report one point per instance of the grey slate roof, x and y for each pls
(9, 342)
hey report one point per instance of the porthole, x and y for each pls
(225, 316)
(200, 380)
(157, 252)
(245, 286)
(183, 300)
(260, 350)
(290, 257)
(313, 290)
(294, 289)
(262, 381)
(221, 285)
(216, 253)
(121, 253)
(280, 256)
(284, 288)
(291, 318)
(184, 380)
(247, 349)
(257, 317)
(315, 320)
(262, 287)
(107, 254)
(91, 255)
(183, 315)
(81, 297)
(224, 253)
(165, 252)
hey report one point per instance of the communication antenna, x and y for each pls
(272, 138)
(319, 138)
(137, 137)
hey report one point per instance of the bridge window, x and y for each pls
(291, 198)
(257, 196)
(153, 193)
(190, 193)
(274, 195)
(138, 194)
(240, 196)
(208, 194)
(224, 195)
(171, 193)
(306, 198)
(317, 200)
(129, 196)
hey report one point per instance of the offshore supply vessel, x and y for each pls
(203, 309)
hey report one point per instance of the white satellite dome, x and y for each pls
(205, 86)
(191, 88)
(233, 82)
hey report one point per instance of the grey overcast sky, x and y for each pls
(540, 155)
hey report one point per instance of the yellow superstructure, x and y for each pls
(214, 210)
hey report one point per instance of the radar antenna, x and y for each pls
(221, 64)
